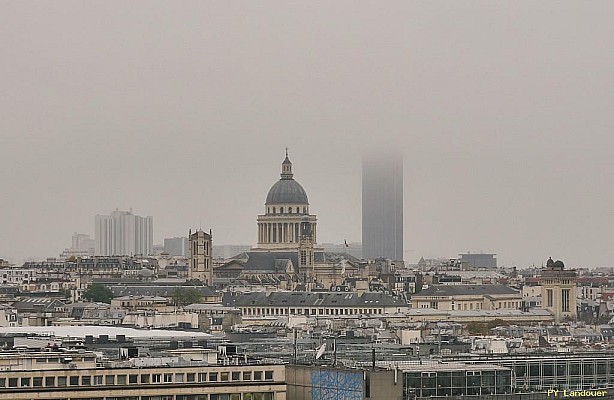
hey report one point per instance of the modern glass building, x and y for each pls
(455, 379)
(555, 371)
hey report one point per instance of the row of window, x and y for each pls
(557, 282)
(289, 209)
(312, 311)
(228, 396)
(472, 306)
(121, 379)
(563, 368)
(457, 383)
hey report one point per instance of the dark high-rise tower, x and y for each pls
(382, 206)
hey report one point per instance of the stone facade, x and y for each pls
(201, 257)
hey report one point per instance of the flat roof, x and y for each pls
(96, 331)
(445, 366)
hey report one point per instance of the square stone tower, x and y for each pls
(201, 257)
(559, 290)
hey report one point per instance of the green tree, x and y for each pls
(98, 293)
(184, 296)
(484, 328)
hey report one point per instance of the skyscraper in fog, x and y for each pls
(123, 233)
(177, 246)
(382, 206)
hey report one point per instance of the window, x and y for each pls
(191, 377)
(236, 376)
(133, 378)
(549, 298)
(49, 381)
(121, 379)
(86, 380)
(178, 378)
(156, 378)
(202, 377)
(168, 378)
(257, 375)
(224, 376)
(61, 381)
(13, 382)
(247, 376)
(37, 381)
(565, 300)
(268, 375)
(212, 376)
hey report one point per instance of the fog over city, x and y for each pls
(504, 112)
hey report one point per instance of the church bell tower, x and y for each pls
(305, 253)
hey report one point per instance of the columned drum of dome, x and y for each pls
(285, 206)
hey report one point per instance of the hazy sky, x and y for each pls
(504, 111)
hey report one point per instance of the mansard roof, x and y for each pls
(465, 290)
(308, 299)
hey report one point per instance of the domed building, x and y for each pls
(286, 255)
(285, 207)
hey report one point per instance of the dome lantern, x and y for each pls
(286, 168)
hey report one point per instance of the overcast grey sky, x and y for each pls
(181, 110)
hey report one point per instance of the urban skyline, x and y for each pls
(399, 200)
(506, 137)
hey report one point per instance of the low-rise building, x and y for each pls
(131, 302)
(467, 298)
(55, 375)
(260, 304)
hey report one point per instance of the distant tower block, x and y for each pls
(382, 206)
(559, 290)
(201, 257)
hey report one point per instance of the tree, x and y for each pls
(184, 296)
(98, 293)
(484, 328)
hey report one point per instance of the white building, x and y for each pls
(123, 233)
(17, 276)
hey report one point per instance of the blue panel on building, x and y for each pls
(336, 385)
